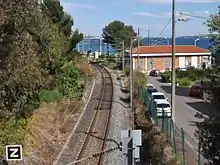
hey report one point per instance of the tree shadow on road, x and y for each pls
(202, 107)
(180, 91)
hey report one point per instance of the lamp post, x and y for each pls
(196, 40)
(173, 63)
(123, 57)
(173, 83)
(131, 75)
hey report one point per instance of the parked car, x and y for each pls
(196, 90)
(168, 69)
(162, 105)
(156, 96)
(180, 69)
(150, 86)
(190, 67)
(154, 73)
(151, 90)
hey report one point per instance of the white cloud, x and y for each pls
(146, 14)
(70, 6)
(177, 1)
(205, 12)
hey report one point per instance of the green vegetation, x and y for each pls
(116, 32)
(208, 131)
(37, 62)
(186, 78)
(49, 95)
(184, 82)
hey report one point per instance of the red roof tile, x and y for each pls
(168, 49)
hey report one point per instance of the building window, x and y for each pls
(166, 62)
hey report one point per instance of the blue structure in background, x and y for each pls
(203, 42)
(95, 43)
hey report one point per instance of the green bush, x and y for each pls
(184, 82)
(193, 75)
(49, 96)
(68, 81)
(166, 77)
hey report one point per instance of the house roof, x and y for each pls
(161, 49)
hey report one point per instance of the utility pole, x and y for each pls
(148, 36)
(123, 57)
(173, 64)
(131, 78)
(138, 40)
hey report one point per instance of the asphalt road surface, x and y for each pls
(186, 107)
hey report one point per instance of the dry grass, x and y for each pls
(47, 130)
(140, 79)
(156, 145)
(84, 67)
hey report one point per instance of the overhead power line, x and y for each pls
(161, 33)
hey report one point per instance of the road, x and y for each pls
(186, 107)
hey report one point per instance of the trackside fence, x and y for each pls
(182, 143)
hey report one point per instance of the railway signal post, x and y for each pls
(131, 143)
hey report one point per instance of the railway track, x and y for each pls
(96, 135)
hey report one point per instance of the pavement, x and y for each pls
(186, 107)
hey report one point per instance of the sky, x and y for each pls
(90, 16)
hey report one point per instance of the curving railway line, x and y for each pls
(100, 121)
(89, 137)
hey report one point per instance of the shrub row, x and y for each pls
(185, 78)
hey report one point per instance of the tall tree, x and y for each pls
(208, 131)
(116, 32)
(54, 10)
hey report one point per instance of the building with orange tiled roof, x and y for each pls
(160, 57)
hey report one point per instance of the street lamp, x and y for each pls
(173, 83)
(196, 40)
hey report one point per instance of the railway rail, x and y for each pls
(97, 132)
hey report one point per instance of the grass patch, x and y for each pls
(185, 82)
(50, 96)
(12, 132)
